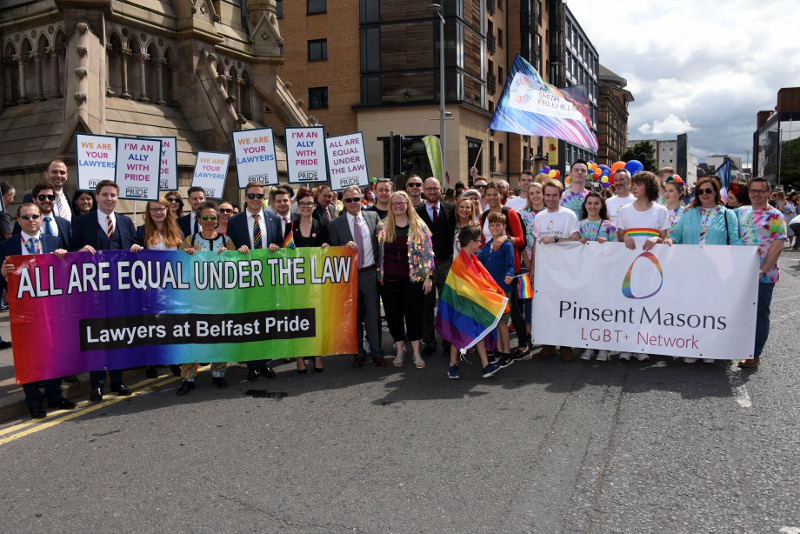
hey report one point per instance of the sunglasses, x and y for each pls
(351, 200)
(46, 197)
(253, 196)
(413, 184)
(706, 191)
(383, 180)
(29, 217)
(173, 200)
(208, 217)
(476, 186)
(225, 210)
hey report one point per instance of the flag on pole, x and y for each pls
(530, 106)
(434, 149)
(723, 173)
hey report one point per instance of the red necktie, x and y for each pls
(435, 214)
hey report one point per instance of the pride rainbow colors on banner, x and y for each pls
(118, 309)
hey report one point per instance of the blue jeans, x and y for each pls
(762, 317)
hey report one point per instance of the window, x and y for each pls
(318, 50)
(317, 98)
(316, 6)
(500, 152)
(500, 79)
(279, 8)
(499, 38)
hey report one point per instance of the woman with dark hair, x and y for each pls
(405, 265)
(83, 202)
(225, 213)
(738, 196)
(175, 204)
(594, 224)
(308, 232)
(674, 193)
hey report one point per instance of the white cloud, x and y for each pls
(671, 124)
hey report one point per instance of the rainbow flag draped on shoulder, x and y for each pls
(471, 304)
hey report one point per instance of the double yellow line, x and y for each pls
(27, 428)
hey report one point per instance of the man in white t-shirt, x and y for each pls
(622, 183)
(518, 203)
(555, 224)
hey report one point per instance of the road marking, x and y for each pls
(743, 398)
(31, 427)
(786, 316)
(789, 530)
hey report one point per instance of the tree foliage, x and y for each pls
(790, 163)
(644, 152)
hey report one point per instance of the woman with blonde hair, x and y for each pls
(404, 268)
(466, 215)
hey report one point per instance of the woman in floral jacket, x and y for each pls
(404, 269)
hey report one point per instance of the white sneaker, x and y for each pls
(587, 354)
(708, 360)
(643, 357)
(625, 356)
(602, 356)
(689, 360)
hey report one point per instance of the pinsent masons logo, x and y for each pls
(550, 225)
(626, 282)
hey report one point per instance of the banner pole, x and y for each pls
(485, 139)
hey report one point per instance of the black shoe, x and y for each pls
(62, 404)
(38, 413)
(121, 389)
(150, 371)
(505, 361)
(252, 375)
(428, 350)
(5, 345)
(267, 371)
(185, 388)
(96, 395)
(520, 354)
(219, 382)
(302, 371)
(318, 369)
(176, 369)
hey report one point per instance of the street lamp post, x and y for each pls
(439, 11)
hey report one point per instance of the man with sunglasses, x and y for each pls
(480, 184)
(104, 229)
(414, 190)
(356, 228)
(763, 226)
(44, 196)
(256, 228)
(188, 223)
(31, 241)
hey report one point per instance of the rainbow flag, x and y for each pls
(288, 241)
(470, 305)
(524, 287)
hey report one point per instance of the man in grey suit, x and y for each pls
(365, 240)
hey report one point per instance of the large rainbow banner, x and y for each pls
(119, 309)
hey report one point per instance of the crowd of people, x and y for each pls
(405, 243)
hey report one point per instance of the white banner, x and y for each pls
(347, 161)
(683, 300)
(96, 156)
(305, 155)
(168, 180)
(255, 156)
(138, 168)
(529, 95)
(210, 171)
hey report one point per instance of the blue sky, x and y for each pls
(700, 67)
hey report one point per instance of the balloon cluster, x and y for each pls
(552, 173)
(601, 173)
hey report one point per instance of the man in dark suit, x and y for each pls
(30, 241)
(281, 201)
(364, 239)
(188, 223)
(57, 174)
(44, 195)
(440, 218)
(256, 228)
(104, 229)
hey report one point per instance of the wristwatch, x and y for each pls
(556, 239)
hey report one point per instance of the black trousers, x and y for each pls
(402, 301)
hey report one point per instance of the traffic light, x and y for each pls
(402, 153)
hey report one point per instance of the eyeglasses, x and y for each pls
(29, 217)
(46, 197)
(208, 218)
(351, 200)
(480, 186)
(305, 204)
(253, 196)
(759, 191)
(173, 200)
(706, 191)
(225, 210)
(158, 210)
(413, 184)
(403, 203)
(432, 188)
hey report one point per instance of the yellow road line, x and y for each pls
(30, 427)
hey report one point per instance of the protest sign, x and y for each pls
(305, 155)
(168, 179)
(347, 161)
(210, 172)
(138, 168)
(674, 301)
(254, 151)
(96, 156)
(118, 309)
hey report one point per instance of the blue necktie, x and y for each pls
(31, 245)
(47, 229)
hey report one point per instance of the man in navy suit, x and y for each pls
(44, 195)
(340, 233)
(256, 228)
(30, 241)
(57, 174)
(188, 223)
(104, 230)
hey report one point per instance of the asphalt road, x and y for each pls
(544, 446)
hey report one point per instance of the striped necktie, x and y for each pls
(62, 212)
(256, 233)
(109, 226)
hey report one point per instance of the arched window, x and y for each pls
(26, 73)
(58, 57)
(247, 96)
(114, 58)
(170, 78)
(136, 69)
(12, 75)
(151, 73)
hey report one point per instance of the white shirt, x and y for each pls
(366, 238)
(261, 224)
(429, 207)
(561, 224)
(517, 203)
(284, 222)
(192, 219)
(53, 225)
(101, 220)
(642, 225)
(60, 196)
(615, 203)
(25, 238)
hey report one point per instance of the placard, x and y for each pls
(168, 179)
(210, 172)
(305, 155)
(138, 168)
(254, 151)
(96, 156)
(347, 161)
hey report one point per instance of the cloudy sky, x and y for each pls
(702, 67)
